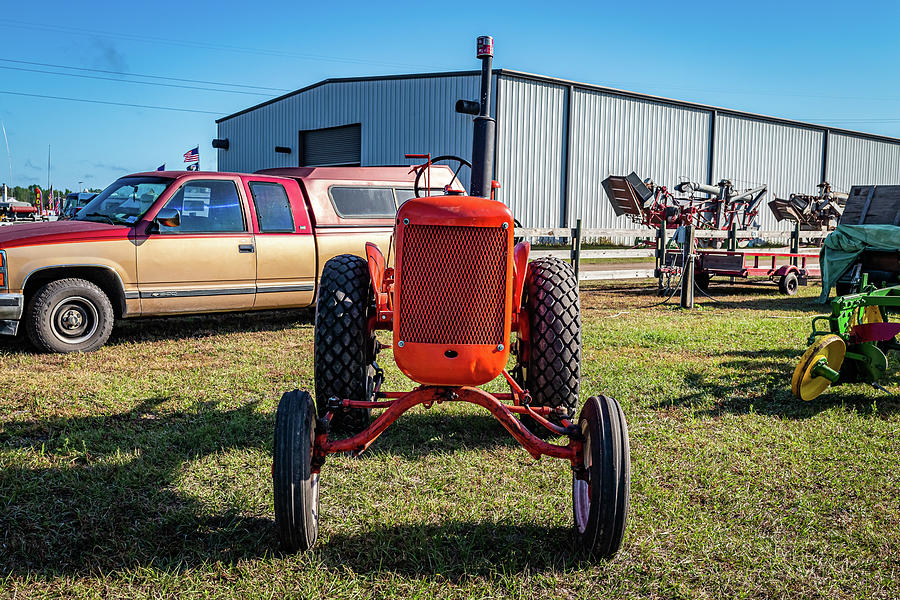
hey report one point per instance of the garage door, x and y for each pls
(331, 146)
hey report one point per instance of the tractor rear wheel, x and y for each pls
(600, 494)
(296, 487)
(552, 365)
(344, 344)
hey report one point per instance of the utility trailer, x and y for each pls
(791, 269)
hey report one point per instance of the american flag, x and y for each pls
(192, 155)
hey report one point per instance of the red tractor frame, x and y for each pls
(458, 292)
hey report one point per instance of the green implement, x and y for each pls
(851, 344)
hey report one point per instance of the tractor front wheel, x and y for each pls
(600, 492)
(344, 344)
(552, 362)
(296, 487)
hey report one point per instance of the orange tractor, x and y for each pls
(458, 292)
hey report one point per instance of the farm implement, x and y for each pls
(790, 269)
(458, 292)
(851, 345)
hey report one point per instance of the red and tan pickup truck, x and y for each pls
(163, 243)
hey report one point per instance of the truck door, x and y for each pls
(285, 245)
(205, 263)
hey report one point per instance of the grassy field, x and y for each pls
(143, 470)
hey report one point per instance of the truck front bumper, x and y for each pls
(11, 307)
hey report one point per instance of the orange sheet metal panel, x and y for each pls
(453, 289)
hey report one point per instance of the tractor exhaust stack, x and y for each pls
(483, 137)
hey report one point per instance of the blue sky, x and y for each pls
(833, 63)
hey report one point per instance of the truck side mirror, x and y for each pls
(168, 217)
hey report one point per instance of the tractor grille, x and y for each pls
(453, 284)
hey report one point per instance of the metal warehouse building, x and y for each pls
(556, 140)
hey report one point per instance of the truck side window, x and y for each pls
(207, 207)
(363, 202)
(273, 209)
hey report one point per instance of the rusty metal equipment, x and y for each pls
(854, 345)
(718, 207)
(812, 213)
(459, 301)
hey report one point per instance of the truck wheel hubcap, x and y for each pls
(74, 320)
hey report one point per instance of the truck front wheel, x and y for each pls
(69, 315)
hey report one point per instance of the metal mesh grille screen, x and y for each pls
(452, 284)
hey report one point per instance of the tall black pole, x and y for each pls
(483, 137)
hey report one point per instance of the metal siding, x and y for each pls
(859, 161)
(613, 135)
(750, 152)
(397, 116)
(530, 133)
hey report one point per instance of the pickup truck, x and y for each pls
(173, 242)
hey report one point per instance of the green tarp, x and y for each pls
(846, 243)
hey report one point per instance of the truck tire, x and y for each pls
(344, 346)
(69, 315)
(788, 283)
(552, 369)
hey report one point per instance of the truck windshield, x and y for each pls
(125, 201)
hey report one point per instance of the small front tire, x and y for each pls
(600, 496)
(296, 487)
(69, 315)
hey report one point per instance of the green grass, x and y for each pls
(143, 470)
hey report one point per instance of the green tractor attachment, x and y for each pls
(854, 346)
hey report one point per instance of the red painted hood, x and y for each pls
(56, 232)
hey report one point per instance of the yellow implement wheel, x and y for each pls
(807, 385)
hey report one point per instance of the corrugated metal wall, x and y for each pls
(860, 161)
(616, 135)
(750, 153)
(608, 133)
(397, 116)
(530, 150)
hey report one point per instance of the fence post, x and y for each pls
(660, 256)
(576, 248)
(795, 242)
(687, 265)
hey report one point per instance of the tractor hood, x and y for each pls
(56, 232)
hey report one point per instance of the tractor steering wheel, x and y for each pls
(448, 157)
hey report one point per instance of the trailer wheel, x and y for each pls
(344, 343)
(788, 283)
(701, 280)
(552, 368)
(600, 496)
(296, 487)
(69, 315)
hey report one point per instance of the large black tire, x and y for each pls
(344, 346)
(69, 315)
(600, 502)
(789, 283)
(295, 486)
(552, 370)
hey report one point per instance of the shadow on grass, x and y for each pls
(127, 331)
(760, 382)
(103, 493)
(455, 550)
(115, 503)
